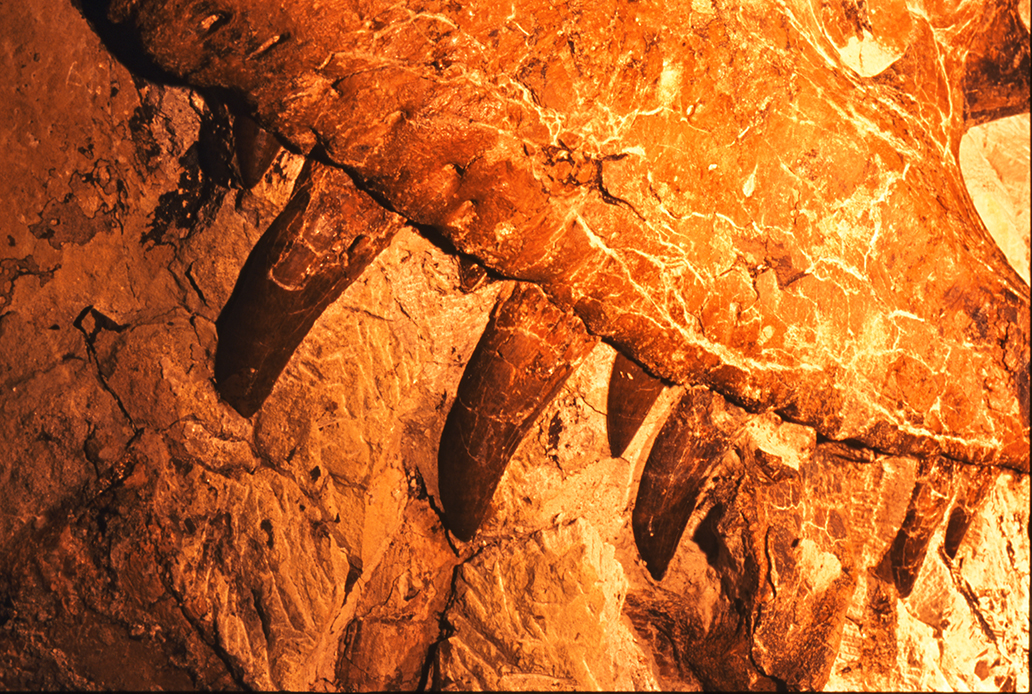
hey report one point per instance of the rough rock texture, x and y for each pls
(554, 621)
(144, 522)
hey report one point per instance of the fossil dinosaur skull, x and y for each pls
(734, 199)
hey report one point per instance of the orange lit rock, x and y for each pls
(149, 536)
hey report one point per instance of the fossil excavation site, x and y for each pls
(516, 345)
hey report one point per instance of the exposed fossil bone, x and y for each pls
(786, 227)
(697, 196)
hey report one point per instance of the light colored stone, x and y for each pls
(994, 158)
(542, 611)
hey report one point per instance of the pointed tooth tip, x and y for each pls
(656, 558)
(244, 406)
(617, 444)
(656, 571)
(460, 533)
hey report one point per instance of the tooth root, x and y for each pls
(256, 148)
(525, 355)
(688, 446)
(321, 242)
(632, 392)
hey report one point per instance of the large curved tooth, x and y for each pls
(632, 391)
(687, 447)
(256, 148)
(525, 355)
(928, 501)
(321, 242)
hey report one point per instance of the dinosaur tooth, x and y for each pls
(973, 491)
(928, 503)
(688, 446)
(632, 392)
(321, 242)
(256, 148)
(528, 350)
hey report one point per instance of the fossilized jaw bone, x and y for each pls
(726, 211)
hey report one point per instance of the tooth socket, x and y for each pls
(527, 352)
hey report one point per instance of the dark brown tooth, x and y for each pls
(526, 353)
(256, 148)
(928, 503)
(321, 242)
(632, 391)
(973, 493)
(688, 446)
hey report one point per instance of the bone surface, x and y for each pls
(719, 195)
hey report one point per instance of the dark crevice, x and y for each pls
(707, 534)
(102, 322)
(445, 631)
(193, 283)
(232, 667)
(263, 617)
(608, 197)
(419, 490)
(269, 46)
(972, 601)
